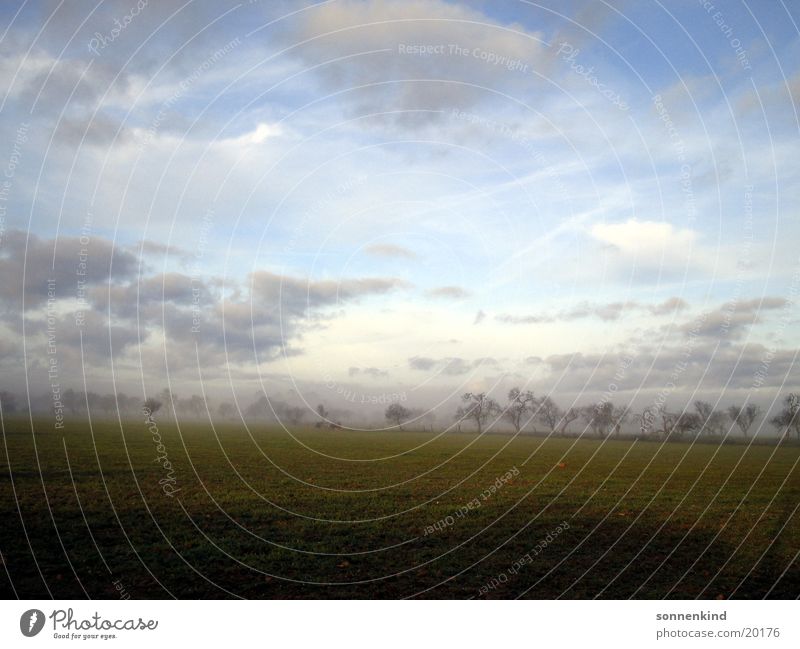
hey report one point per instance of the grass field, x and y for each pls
(338, 514)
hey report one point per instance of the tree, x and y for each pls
(293, 414)
(171, 400)
(789, 417)
(195, 405)
(549, 413)
(322, 413)
(396, 414)
(93, 400)
(460, 416)
(618, 416)
(108, 403)
(600, 417)
(668, 420)
(479, 407)
(647, 419)
(226, 410)
(127, 405)
(8, 402)
(519, 405)
(151, 406)
(570, 415)
(70, 400)
(258, 409)
(744, 417)
(686, 422)
(713, 421)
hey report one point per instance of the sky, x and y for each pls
(358, 201)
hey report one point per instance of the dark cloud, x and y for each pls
(66, 260)
(733, 319)
(295, 296)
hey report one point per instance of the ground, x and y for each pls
(260, 513)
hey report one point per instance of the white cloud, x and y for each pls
(645, 238)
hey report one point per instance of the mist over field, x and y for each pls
(383, 228)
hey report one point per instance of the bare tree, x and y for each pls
(647, 419)
(686, 422)
(619, 415)
(600, 417)
(789, 417)
(668, 420)
(479, 407)
(744, 417)
(460, 416)
(519, 405)
(151, 406)
(570, 415)
(549, 413)
(713, 421)
(396, 414)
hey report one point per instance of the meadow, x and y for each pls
(103, 511)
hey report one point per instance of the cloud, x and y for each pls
(157, 249)
(256, 319)
(450, 366)
(680, 373)
(670, 305)
(649, 252)
(448, 292)
(506, 318)
(733, 319)
(30, 265)
(645, 238)
(260, 134)
(480, 316)
(295, 296)
(372, 372)
(422, 363)
(367, 47)
(607, 312)
(389, 250)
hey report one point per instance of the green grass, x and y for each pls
(260, 514)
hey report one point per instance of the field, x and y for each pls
(96, 511)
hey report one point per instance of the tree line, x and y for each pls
(523, 410)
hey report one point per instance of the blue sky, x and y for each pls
(339, 203)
